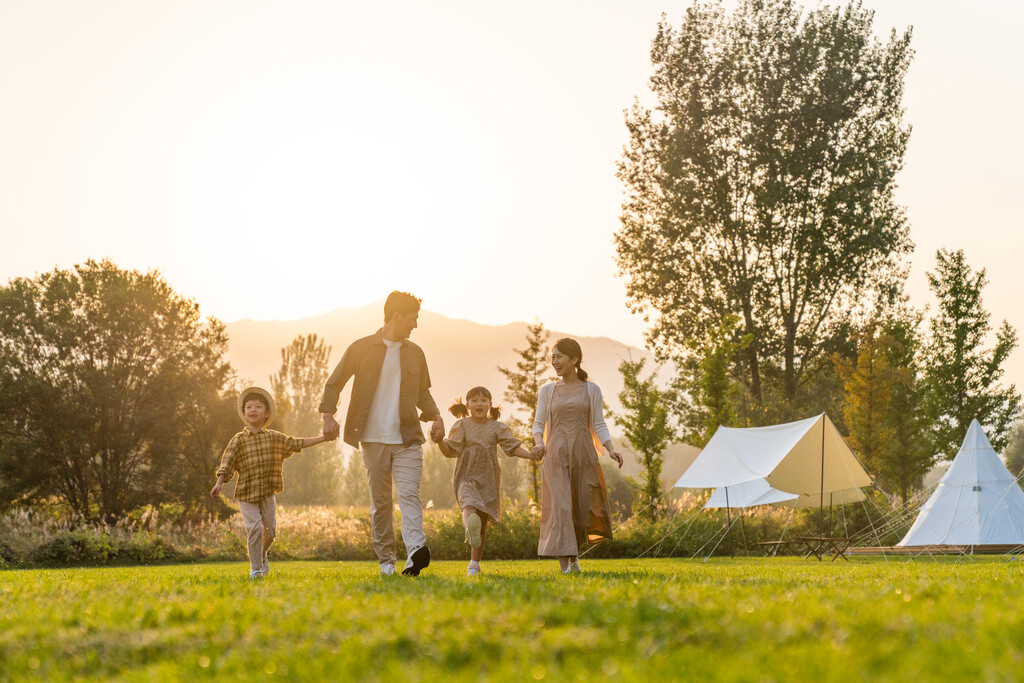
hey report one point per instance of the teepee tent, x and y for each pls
(807, 458)
(977, 502)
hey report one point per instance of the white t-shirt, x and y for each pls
(383, 425)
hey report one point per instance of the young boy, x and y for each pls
(258, 454)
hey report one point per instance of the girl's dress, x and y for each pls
(477, 479)
(574, 499)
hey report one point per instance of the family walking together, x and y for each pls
(390, 397)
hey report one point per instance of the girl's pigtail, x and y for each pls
(494, 413)
(459, 409)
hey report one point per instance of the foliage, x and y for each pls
(524, 383)
(887, 427)
(635, 620)
(312, 477)
(705, 395)
(354, 488)
(761, 187)
(963, 378)
(1013, 454)
(436, 482)
(99, 368)
(645, 422)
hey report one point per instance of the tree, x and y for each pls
(761, 187)
(524, 383)
(312, 476)
(354, 489)
(97, 367)
(886, 424)
(704, 395)
(1014, 452)
(644, 418)
(962, 377)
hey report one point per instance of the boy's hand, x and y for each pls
(215, 491)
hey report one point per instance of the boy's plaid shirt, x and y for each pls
(258, 458)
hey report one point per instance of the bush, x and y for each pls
(79, 547)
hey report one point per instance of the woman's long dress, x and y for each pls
(477, 478)
(574, 500)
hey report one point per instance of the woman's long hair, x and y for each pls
(459, 409)
(571, 348)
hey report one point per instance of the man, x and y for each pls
(391, 382)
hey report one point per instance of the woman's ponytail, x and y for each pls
(571, 348)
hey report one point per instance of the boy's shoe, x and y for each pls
(573, 568)
(387, 569)
(473, 530)
(473, 569)
(417, 562)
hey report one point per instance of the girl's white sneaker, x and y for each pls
(473, 570)
(573, 568)
(473, 530)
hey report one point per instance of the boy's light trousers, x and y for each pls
(404, 463)
(260, 522)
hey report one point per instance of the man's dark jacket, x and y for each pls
(364, 360)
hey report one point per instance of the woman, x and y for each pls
(568, 430)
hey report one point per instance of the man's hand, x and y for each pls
(331, 427)
(437, 430)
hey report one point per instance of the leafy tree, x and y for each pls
(645, 420)
(313, 475)
(524, 383)
(883, 411)
(354, 489)
(761, 186)
(704, 395)
(436, 482)
(98, 366)
(963, 378)
(1014, 451)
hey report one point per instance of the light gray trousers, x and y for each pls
(404, 464)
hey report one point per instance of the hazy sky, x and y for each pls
(281, 159)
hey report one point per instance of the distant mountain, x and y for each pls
(460, 354)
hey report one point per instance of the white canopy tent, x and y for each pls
(808, 458)
(760, 492)
(748, 494)
(977, 502)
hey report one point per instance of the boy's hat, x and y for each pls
(262, 392)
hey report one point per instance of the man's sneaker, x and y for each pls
(473, 569)
(573, 568)
(473, 529)
(417, 562)
(255, 574)
(387, 569)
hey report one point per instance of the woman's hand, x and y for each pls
(617, 457)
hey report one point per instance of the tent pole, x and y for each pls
(821, 493)
(743, 529)
(728, 517)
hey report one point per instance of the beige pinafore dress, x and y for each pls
(574, 500)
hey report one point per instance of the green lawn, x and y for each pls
(744, 619)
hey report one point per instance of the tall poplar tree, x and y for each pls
(761, 185)
(963, 377)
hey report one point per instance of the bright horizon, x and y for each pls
(461, 152)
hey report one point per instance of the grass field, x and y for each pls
(744, 619)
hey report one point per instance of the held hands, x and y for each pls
(331, 427)
(437, 430)
(538, 452)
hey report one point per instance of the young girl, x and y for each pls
(474, 439)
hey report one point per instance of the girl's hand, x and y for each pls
(617, 457)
